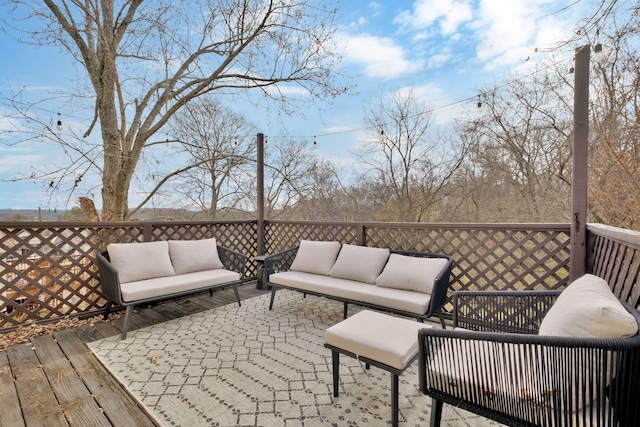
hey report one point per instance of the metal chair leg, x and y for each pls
(335, 360)
(127, 318)
(394, 400)
(436, 412)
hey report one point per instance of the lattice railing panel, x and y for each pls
(614, 255)
(48, 272)
(280, 235)
(486, 257)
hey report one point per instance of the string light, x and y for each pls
(59, 124)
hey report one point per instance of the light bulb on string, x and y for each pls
(59, 124)
(315, 143)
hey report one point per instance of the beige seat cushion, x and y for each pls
(588, 308)
(380, 337)
(315, 257)
(360, 263)
(188, 256)
(396, 299)
(411, 273)
(140, 261)
(161, 286)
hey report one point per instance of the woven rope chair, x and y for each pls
(493, 364)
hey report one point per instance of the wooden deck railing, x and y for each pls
(47, 270)
(614, 255)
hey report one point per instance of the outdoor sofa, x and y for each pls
(136, 273)
(412, 284)
(537, 358)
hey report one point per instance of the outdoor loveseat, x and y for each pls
(412, 284)
(537, 358)
(137, 273)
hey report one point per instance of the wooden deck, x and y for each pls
(56, 381)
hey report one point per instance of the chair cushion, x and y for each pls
(315, 257)
(360, 263)
(588, 308)
(188, 256)
(411, 273)
(140, 261)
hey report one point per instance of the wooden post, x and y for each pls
(260, 188)
(578, 257)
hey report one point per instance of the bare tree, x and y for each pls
(410, 162)
(146, 60)
(521, 149)
(220, 156)
(614, 179)
(286, 177)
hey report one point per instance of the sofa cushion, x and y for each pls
(411, 273)
(315, 257)
(360, 263)
(140, 261)
(588, 308)
(162, 286)
(395, 299)
(188, 256)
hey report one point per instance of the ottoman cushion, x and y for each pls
(380, 337)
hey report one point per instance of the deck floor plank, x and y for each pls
(73, 396)
(37, 399)
(10, 413)
(116, 403)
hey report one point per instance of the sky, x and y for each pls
(446, 51)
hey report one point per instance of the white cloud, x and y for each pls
(445, 108)
(12, 164)
(448, 14)
(509, 32)
(381, 57)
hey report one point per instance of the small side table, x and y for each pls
(263, 275)
(384, 341)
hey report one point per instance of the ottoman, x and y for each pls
(384, 341)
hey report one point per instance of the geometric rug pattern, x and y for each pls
(248, 366)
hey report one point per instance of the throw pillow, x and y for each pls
(315, 257)
(140, 261)
(588, 308)
(188, 256)
(360, 263)
(411, 273)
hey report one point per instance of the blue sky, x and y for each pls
(446, 50)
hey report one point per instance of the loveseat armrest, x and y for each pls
(502, 311)
(280, 261)
(109, 280)
(232, 260)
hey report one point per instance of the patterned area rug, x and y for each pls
(248, 366)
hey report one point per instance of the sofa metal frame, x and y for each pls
(282, 261)
(110, 282)
(599, 372)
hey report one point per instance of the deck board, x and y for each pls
(77, 403)
(37, 399)
(10, 413)
(59, 382)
